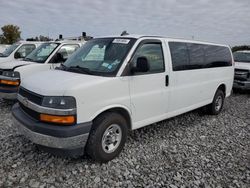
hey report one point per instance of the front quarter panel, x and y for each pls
(94, 99)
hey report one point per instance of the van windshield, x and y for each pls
(41, 54)
(9, 50)
(101, 56)
(242, 57)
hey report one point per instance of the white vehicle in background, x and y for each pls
(242, 70)
(115, 84)
(3, 47)
(47, 56)
(18, 50)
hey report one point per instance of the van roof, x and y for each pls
(163, 37)
(59, 41)
(30, 42)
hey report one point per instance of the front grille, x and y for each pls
(241, 74)
(1, 71)
(241, 70)
(33, 97)
(33, 114)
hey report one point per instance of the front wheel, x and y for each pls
(108, 137)
(216, 106)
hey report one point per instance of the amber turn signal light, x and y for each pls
(57, 119)
(10, 82)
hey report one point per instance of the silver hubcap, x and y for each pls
(111, 138)
(218, 103)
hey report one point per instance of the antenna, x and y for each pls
(124, 33)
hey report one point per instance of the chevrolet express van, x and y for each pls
(47, 56)
(115, 84)
(242, 70)
(18, 50)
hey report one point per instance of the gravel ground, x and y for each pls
(191, 150)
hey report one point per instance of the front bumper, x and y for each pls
(241, 85)
(8, 92)
(67, 138)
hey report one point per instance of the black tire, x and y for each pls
(101, 124)
(213, 108)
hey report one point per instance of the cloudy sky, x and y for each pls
(224, 21)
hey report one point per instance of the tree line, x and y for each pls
(11, 34)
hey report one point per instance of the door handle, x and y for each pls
(166, 80)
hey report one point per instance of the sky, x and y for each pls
(221, 21)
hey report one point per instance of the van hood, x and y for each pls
(241, 65)
(4, 59)
(14, 64)
(57, 82)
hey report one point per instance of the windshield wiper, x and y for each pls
(28, 59)
(79, 69)
(2, 55)
(62, 67)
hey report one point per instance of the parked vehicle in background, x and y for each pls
(47, 56)
(3, 47)
(18, 50)
(115, 84)
(242, 70)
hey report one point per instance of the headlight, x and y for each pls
(59, 102)
(13, 74)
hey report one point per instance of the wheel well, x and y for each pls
(122, 112)
(223, 88)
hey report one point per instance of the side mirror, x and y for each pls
(59, 58)
(142, 65)
(17, 55)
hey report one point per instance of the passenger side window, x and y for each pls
(24, 50)
(154, 54)
(196, 56)
(188, 56)
(179, 55)
(217, 56)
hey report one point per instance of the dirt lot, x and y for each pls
(192, 150)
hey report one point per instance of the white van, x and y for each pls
(115, 84)
(47, 56)
(242, 70)
(18, 50)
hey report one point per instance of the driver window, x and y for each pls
(67, 50)
(25, 50)
(64, 52)
(153, 53)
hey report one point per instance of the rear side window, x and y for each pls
(187, 56)
(217, 56)
(180, 55)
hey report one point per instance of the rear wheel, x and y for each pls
(216, 106)
(108, 137)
